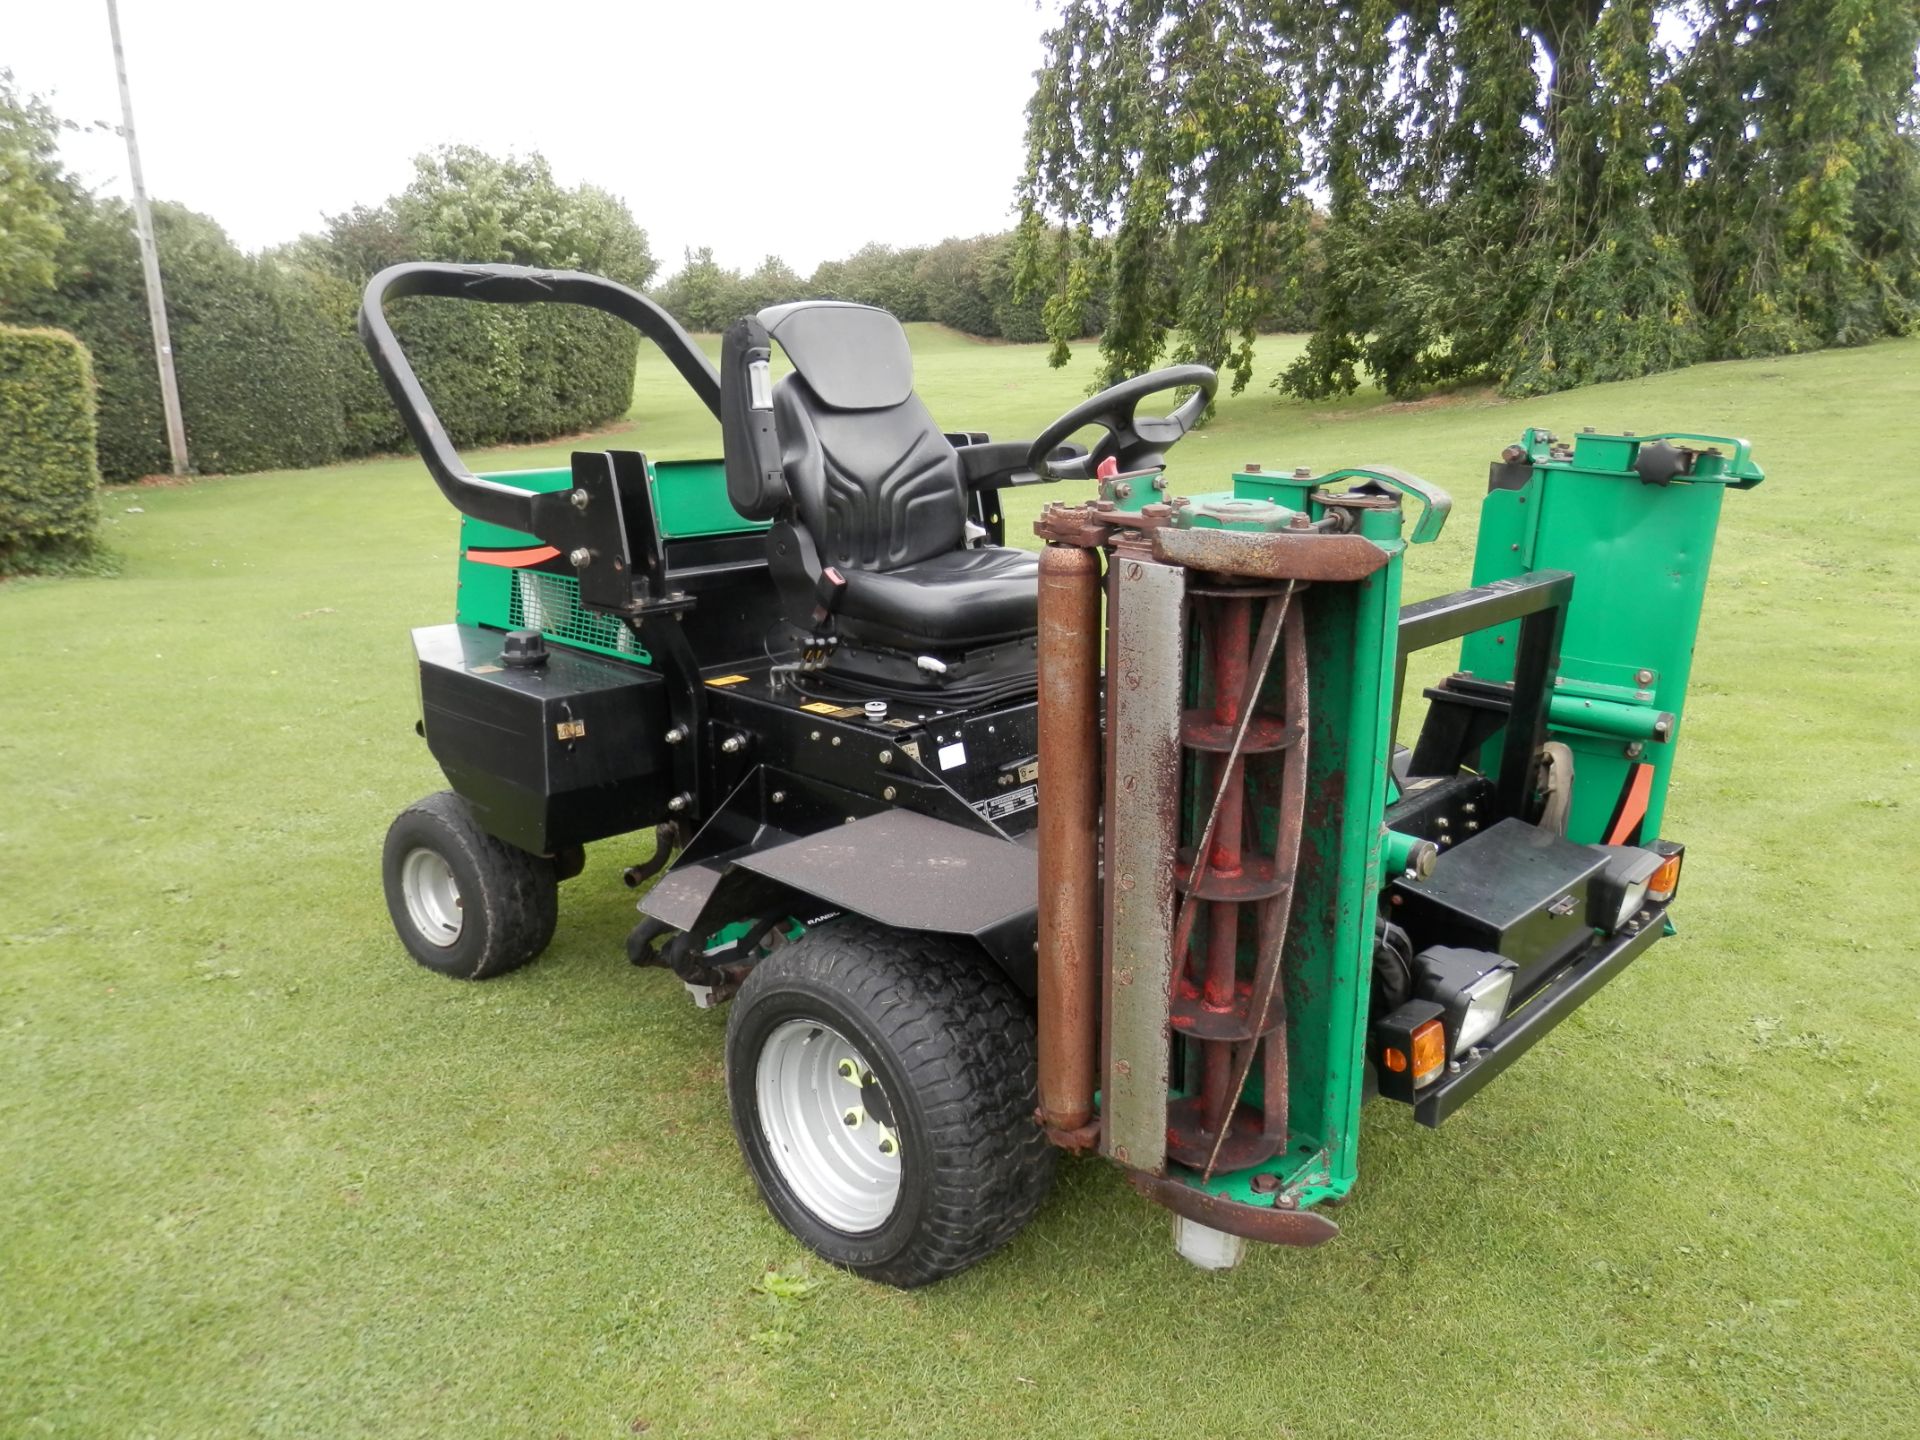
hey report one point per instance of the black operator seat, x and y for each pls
(879, 488)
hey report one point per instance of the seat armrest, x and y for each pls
(991, 464)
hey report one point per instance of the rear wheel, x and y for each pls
(463, 903)
(882, 1090)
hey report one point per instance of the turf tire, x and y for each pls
(953, 1047)
(509, 900)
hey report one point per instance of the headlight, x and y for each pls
(1486, 1007)
(1472, 987)
(1618, 892)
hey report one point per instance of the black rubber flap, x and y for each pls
(909, 871)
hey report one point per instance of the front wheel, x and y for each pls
(882, 1089)
(463, 903)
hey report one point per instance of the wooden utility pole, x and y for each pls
(150, 261)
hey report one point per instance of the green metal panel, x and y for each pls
(1288, 490)
(689, 496)
(485, 592)
(1640, 554)
(690, 499)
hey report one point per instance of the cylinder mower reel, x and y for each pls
(973, 899)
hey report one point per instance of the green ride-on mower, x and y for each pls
(1105, 848)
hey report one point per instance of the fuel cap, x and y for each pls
(523, 648)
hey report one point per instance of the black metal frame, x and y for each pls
(1539, 602)
(1555, 999)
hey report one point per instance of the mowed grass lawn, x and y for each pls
(261, 1175)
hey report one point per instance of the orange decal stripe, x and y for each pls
(1633, 805)
(513, 559)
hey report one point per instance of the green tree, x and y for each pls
(465, 204)
(875, 274)
(954, 277)
(773, 283)
(30, 190)
(1169, 126)
(1535, 192)
(496, 373)
(703, 294)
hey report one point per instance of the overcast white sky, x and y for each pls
(797, 129)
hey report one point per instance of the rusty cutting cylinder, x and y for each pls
(1070, 765)
(1247, 745)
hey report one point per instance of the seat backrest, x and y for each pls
(873, 479)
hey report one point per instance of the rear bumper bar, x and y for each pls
(1552, 1002)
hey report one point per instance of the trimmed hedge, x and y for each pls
(48, 474)
(271, 373)
(257, 355)
(498, 374)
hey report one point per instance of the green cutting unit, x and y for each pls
(1108, 848)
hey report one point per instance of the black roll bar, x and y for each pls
(505, 285)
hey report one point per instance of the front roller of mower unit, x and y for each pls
(1149, 879)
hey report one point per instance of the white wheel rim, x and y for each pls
(433, 897)
(828, 1126)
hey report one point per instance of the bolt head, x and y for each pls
(580, 499)
(888, 793)
(778, 796)
(580, 558)
(886, 757)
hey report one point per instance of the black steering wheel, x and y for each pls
(1132, 441)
